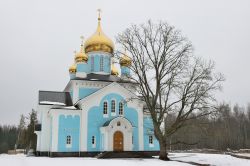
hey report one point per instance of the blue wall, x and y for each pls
(83, 92)
(83, 67)
(86, 67)
(106, 63)
(72, 75)
(96, 120)
(68, 125)
(125, 70)
(148, 130)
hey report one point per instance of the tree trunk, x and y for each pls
(163, 151)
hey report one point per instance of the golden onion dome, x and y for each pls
(72, 68)
(114, 70)
(125, 60)
(81, 56)
(99, 41)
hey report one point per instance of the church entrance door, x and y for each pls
(118, 141)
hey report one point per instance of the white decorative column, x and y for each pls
(55, 124)
(140, 127)
(84, 130)
(75, 92)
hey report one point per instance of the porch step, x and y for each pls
(127, 154)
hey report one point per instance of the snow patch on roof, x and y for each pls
(52, 103)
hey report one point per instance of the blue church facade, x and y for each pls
(98, 110)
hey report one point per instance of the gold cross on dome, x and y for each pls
(99, 13)
(82, 38)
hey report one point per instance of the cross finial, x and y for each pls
(99, 14)
(82, 38)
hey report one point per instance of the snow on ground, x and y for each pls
(212, 159)
(22, 160)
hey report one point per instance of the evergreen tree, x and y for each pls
(21, 133)
(30, 135)
(8, 136)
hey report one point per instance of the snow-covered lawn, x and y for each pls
(21, 160)
(213, 159)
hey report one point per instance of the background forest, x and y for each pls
(229, 128)
(21, 136)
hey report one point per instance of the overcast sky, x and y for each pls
(37, 40)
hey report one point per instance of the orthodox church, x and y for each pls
(98, 110)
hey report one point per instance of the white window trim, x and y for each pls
(112, 113)
(105, 115)
(93, 144)
(69, 145)
(119, 108)
(151, 145)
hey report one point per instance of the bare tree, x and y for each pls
(172, 82)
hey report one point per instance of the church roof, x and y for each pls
(101, 77)
(110, 88)
(108, 122)
(55, 98)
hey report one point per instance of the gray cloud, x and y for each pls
(37, 40)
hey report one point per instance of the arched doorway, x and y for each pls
(118, 141)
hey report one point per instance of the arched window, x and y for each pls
(120, 108)
(118, 123)
(113, 106)
(68, 140)
(92, 63)
(101, 63)
(105, 108)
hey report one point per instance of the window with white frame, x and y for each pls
(93, 140)
(105, 108)
(112, 106)
(150, 139)
(92, 63)
(68, 140)
(101, 63)
(120, 108)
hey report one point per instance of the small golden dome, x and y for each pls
(99, 41)
(125, 60)
(81, 56)
(72, 68)
(114, 70)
